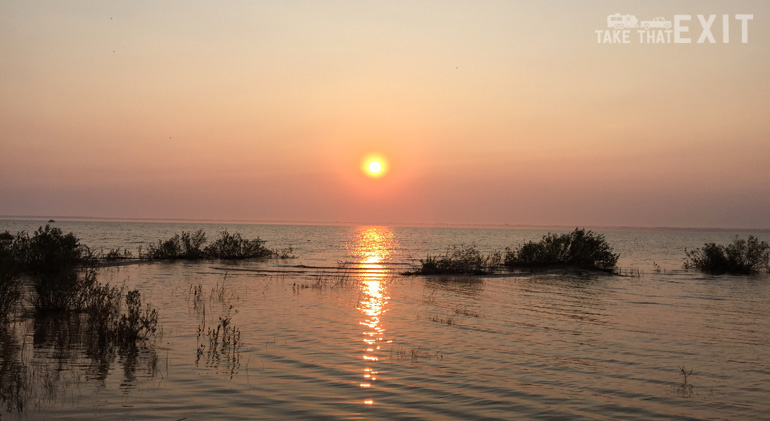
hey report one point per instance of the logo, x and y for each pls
(628, 29)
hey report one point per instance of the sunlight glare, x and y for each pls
(374, 166)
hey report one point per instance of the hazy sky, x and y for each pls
(488, 112)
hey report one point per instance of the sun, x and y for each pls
(374, 166)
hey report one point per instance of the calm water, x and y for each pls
(338, 333)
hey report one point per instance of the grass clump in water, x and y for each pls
(741, 257)
(48, 251)
(191, 246)
(110, 323)
(53, 260)
(459, 260)
(10, 291)
(64, 283)
(579, 249)
(234, 247)
(188, 246)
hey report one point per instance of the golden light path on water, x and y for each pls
(373, 247)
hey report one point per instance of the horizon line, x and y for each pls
(360, 223)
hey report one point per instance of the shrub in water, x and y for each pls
(233, 246)
(138, 323)
(117, 254)
(63, 291)
(49, 251)
(741, 257)
(187, 246)
(459, 260)
(10, 292)
(580, 248)
(228, 246)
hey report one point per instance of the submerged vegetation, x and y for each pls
(741, 257)
(64, 283)
(579, 249)
(10, 291)
(55, 276)
(47, 251)
(459, 260)
(190, 246)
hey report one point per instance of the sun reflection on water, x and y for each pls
(372, 249)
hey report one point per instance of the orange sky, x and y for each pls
(488, 112)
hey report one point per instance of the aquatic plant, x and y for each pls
(139, 322)
(64, 281)
(57, 264)
(577, 249)
(685, 389)
(284, 253)
(741, 257)
(413, 354)
(224, 342)
(117, 254)
(458, 260)
(465, 312)
(49, 250)
(102, 304)
(10, 291)
(233, 246)
(449, 320)
(190, 246)
(63, 291)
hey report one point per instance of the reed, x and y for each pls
(10, 286)
(458, 260)
(228, 246)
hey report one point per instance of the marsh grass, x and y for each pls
(73, 315)
(413, 354)
(187, 246)
(685, 389)
(234, 247)
(222, 343)
(66, 355)
(218, 343)
(64, 283)
(116, 254)
(64, 291)
(465, 312)
(284, 253)
(228, 246)
(196, 295)
(741, 257)
(448, 321)
(341, 277)
(578, 249)
(631, 272)
(10, 285)
(459, 260)
(47, 251)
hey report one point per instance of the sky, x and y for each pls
(487, 112)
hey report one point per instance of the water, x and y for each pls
(338, 333)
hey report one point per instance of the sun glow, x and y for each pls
(374, 166)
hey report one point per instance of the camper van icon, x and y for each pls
(619, 21)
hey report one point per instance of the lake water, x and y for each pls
(339, 333)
